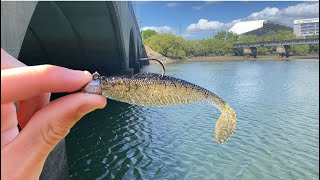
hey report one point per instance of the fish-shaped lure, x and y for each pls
(151, 89)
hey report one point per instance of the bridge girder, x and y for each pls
(277, 43)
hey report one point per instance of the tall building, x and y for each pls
(306, 27)
(259, 27)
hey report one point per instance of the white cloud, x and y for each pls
(228, 25)
(205, 25)
(265, 13)
(198, 8)
(304, 9)
(287, 15)
(172, 4)
(160, 29)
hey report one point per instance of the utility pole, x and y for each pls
(180, 30)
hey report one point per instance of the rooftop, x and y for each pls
(259, 27)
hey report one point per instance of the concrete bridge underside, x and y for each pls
(94, 36)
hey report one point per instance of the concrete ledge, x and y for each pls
(55, 167)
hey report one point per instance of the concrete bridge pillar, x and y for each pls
(254, 51)
(250, 51)
(246, 52)
(94, 36)
(283, 50)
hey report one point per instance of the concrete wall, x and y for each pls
(95, 36)
(82, 35)
(129, 31)
(15, 18)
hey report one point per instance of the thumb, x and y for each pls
(46, 129)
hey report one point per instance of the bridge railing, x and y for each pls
(277, 43)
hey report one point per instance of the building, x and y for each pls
(306, 27)
(259, 28)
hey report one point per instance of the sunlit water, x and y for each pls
(277, 134)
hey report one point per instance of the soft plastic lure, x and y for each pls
(151, 89)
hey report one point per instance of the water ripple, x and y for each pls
(277, 134)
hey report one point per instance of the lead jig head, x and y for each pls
(94, 86)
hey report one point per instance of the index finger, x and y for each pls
(26, 82)
(8, 62)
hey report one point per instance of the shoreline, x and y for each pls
(241, 58)
(272, 57)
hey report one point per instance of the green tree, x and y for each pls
(223, 35)
(263, 51)
(168, 45)
(302, 49)
(314, 48)
(148, 33)
(222, 44)
(285, 35)
(248, 38)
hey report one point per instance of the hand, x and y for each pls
(43, 124)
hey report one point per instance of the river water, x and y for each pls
(277, 134)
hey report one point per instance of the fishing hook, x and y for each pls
(154, 59)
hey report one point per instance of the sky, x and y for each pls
(203, 19)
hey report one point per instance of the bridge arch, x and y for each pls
(91, 36)
(71, 35)
(119, 33)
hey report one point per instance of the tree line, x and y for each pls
(176, 47)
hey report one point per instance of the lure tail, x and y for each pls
(225, 125)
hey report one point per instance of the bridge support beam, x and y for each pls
(283, 50)
(250, 51)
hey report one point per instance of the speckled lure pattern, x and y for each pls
(150, 89)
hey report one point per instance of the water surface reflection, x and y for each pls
(277, 134)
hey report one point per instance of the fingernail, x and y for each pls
(87, 73)
(83, 75)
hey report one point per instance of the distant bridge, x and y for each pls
(283, 47)
(277, 43)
